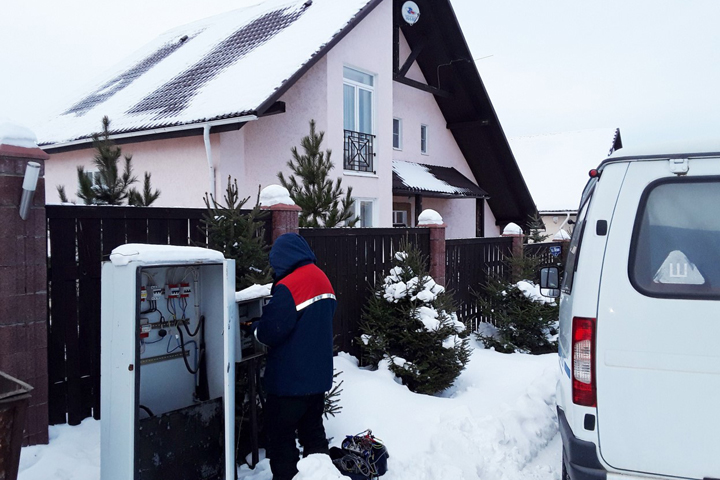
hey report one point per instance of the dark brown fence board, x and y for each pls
(354, 260)
(80, 238)
(469, 264)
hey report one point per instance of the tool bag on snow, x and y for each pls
(361, 456)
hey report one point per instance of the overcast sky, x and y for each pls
(649, 67)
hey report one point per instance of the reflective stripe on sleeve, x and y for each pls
(307, 303)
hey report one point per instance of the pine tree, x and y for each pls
(323, 203)
(238, 235)
(147, 197)
(410, 322)
(524, 323)
(536, 225)
(108, 186)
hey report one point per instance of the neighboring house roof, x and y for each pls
(223, 67)
(446, 62)
(432, 181)
(556, 166)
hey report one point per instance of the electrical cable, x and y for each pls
(187, 364)
(147, 410)
(200, 323)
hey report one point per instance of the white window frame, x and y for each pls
(363, 86)
(94, 176)
(424, 148)
(358, 210)
(399, 133)
(404, 214)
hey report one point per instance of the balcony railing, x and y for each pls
(358, 151)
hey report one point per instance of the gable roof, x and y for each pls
(432, 181)
(447, 64)
(556, 165)
(187, 75)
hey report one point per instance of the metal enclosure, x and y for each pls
(168, 329)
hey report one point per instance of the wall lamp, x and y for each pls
(32, 173)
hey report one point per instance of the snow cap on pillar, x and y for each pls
(561, 236)
(16, 135)
(512, 229)
(429, 217)
(275, 195)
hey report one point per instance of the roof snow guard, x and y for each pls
(224, 67)
(432, 181)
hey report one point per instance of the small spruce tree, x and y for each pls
(323, 203)
(410, 321)
(536, 226)
(524, 322)
(238, 235)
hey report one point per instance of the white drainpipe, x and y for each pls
(208, 147)
(211, 166)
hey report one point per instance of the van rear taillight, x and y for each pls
(583, 362)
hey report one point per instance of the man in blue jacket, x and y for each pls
(296, 325)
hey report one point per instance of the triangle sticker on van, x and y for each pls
(679, 270)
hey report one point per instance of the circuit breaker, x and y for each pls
(168, 327)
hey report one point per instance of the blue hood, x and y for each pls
(289, 252)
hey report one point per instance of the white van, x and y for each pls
(639, 345)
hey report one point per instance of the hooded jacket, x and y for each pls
(296, 324)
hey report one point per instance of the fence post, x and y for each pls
(285, 214)
(432, 220)
(514, 231)
(23, 277)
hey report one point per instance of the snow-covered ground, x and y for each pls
(497, 422)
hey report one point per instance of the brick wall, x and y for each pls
(23, 287)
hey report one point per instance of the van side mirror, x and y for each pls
(550, 282)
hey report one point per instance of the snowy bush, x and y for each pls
(524, 320)
(410, 320)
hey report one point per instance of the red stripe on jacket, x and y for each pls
(306, 283)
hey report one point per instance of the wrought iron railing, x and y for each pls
(358, 151)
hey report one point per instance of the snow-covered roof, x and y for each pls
(432, 180)
(218, 68)
(556, 166)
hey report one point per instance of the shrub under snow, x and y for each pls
(410, 320)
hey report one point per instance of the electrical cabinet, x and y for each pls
(169, 328)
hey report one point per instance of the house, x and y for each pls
(391, 83)
(556, 168)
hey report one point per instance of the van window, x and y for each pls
(576, 240)
(675, 252)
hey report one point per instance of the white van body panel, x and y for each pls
(586, 285)
(658, 363)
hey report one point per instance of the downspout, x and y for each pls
(567, 218)
(208, 148)
(208, 153)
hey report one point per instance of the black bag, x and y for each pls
(361, 457)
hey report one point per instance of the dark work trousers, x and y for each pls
(283, 417)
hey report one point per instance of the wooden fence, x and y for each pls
(79, 239)
(468, 264)
(547, 253)
(354, 259)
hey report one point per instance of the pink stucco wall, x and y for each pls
(178, 167)
(257, 152)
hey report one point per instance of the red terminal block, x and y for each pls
(172, 291)
(145, 330)
(185, 290)
(143, 294)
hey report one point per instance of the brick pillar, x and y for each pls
(285, 219)
(437, 253)
(515, 232)
(23, 286)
